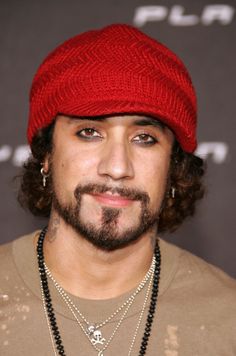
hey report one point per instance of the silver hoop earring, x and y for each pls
(45, 176)
(172, 192)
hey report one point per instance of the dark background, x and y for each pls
(200, 32)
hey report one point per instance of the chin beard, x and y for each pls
(107, 237)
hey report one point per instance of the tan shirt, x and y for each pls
(195, 316)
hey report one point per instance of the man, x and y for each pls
(112, 130)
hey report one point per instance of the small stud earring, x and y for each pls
(45, 176)
(172, 192)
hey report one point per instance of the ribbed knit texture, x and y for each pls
(115, 70)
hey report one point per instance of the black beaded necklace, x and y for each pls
(50, 310)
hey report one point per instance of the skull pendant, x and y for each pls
(97, 338)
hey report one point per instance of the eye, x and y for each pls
(88, 133)
(144, 139)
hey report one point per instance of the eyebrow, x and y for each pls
(149, 121)
(89, 118)
(142, 121)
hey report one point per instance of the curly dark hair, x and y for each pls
(185, 175)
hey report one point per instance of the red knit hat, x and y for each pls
(115, 70)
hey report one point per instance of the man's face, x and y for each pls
(109, 176)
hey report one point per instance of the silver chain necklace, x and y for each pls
(94, 329)
(97, 338)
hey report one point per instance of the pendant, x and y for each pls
(100, 353)
(91, 329)
(97, 338)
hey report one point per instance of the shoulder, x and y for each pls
(6, 249)
(197, 304)
(201, 289)
(199, 284)
(191, 269)
(6, 258)
(11, 252)
(201, 300)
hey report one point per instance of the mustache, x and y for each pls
(128, 193)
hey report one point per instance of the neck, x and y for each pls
(88, 272)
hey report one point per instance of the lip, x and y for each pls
(112, 200)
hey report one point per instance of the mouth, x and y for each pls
(114, 200)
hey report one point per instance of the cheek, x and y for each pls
(71, 167)
(154, 178)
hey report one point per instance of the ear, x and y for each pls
(45, 163)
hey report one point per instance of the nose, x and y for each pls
(116, 162)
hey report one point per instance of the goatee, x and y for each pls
(107, 236)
